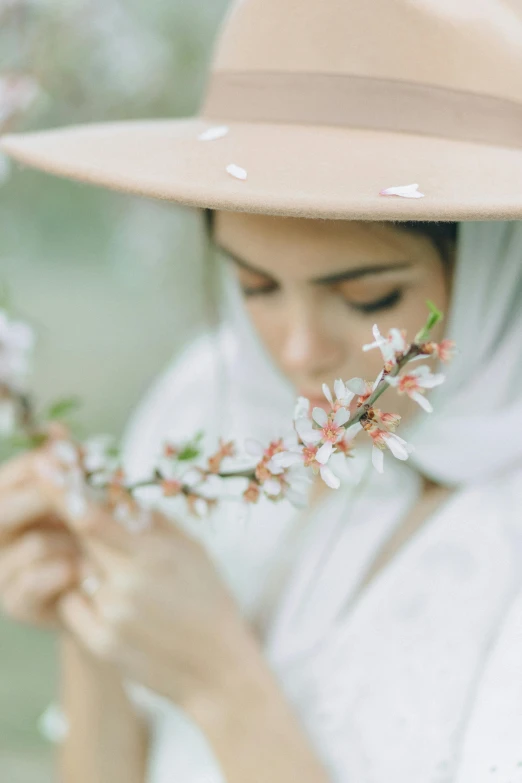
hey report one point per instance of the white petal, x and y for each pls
(357, 386)
(378, 379)
(302, 407)
(320, 416)
(378, 459)
(352, 431)
(397, 340)
(340, 389)
(341, 417)
(201, 507)
(371, 346)
(341, 467)
(216, 132)
(329, 478)
(433, 380)
(274, 467)
(236, 171)
(306, 432)
(327, 393)
(286, 459)
(421, 400)
(406, 191)
(272, 487)
(290, 440)
(396, 447)
(393, 380)
(324, 453)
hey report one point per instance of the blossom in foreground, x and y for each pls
(389, 346)
(310, 456)
(445, 350)
(415, 382)
(382, 439)
(343, 395)
(16, 347)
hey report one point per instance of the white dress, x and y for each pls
(419, 679)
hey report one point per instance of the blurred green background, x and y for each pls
(110, 282)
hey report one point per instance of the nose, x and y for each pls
(308, 347)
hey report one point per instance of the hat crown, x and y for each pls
(468, 45)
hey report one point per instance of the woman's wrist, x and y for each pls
(251, 726)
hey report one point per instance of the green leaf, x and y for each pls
(433, 319)
(62, 408)
(188, 452)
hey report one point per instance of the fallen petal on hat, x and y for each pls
(216, 132)
(236, 171)
(406, 191)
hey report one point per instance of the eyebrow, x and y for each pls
(337, 277)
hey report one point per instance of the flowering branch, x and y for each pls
(320, 442)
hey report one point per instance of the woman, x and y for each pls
(376, 636)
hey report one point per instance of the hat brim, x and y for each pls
(292, 170)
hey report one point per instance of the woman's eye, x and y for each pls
(258, 290)
(384, 303)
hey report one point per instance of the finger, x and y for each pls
(16, 471)
(21, 507)
(79, 505)
(34, 547)
(28, 596)
(80, 617)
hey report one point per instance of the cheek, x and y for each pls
(268, 320)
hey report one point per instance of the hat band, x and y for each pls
(363, 102)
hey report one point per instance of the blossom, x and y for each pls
(445, 350)
(302, 408)
(343, 395)
(389, 346)
(312, 456)
(415, 382)
(100, 458)
(16, 345)
(390, 420)
(382, 440)
(406, 191)
(345, 445)
(330, 430)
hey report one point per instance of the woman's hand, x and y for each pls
(161, 612)
(38, 554)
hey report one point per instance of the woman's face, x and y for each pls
(314, 289)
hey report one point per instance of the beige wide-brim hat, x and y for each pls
(320, 105)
